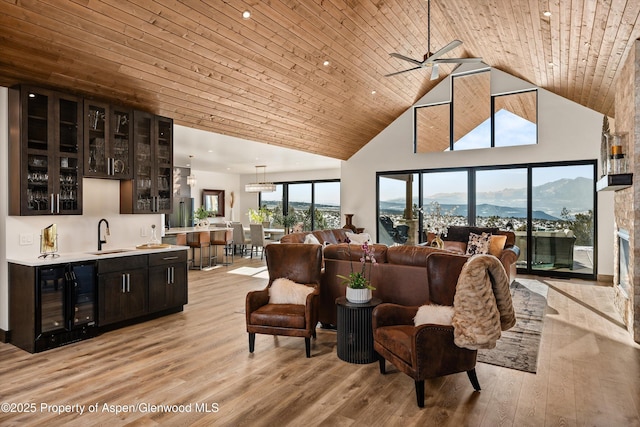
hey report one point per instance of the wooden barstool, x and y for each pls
(224, 239)
(200, 240)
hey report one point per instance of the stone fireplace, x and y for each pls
(627, 217)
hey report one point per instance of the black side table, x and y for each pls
(355, 332)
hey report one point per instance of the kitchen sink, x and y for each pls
(110, 251)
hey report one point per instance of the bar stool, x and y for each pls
(181, 240)
(200, 240)
(224, 239)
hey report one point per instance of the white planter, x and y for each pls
(358, 296)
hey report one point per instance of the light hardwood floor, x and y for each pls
(588, 374)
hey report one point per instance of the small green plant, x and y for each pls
(258, 216)
(358, 279)
(201, 213)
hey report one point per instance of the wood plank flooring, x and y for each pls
(588, 374)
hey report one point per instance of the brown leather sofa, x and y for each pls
(332, 236)
(400, 275)
(458, 236)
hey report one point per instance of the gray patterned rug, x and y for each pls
(518, 347)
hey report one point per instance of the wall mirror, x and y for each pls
(213, 201)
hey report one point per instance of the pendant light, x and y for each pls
(260, 186)
(191, 179)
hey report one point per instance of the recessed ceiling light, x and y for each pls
(326, 63)
(546, 13)
(210, 151)
(373, 92)
(550, 64)
(246, 14)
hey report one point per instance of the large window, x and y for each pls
(476, 119)
(397, 207)
(550, 207)
(304, 206)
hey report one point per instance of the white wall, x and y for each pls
(566, 131)
(218, 181)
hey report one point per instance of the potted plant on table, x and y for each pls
(358, 285)
(260, 216)
(201, 215)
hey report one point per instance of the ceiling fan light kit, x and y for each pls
(432, 59)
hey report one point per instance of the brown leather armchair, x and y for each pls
(301, 263)
(425, 351)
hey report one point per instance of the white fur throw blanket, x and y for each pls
(482, 303)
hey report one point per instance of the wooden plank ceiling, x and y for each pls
(263, 78)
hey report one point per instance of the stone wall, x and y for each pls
(627, 107)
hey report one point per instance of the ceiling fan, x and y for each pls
(432, 59)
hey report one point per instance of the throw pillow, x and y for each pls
(478, 243)
(496, 245)
(434, 314)
(311, 239)
(358, 239)
(285, 291)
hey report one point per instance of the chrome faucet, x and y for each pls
(102, 240)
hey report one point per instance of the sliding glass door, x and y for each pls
(562, 218)
(551, 208)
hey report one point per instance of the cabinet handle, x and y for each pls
(128, 282)
(109, 166)
(124, 280)
(58, 203)
(169, 276)
(173, 275)
(52, 211)
(168, 258)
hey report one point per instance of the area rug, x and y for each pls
(518, 347)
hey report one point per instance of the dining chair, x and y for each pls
(258, 239)
(239, 238)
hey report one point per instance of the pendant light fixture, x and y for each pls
(191, 179)
(260, 186)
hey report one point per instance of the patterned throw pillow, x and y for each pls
(478, 244)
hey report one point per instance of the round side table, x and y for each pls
(355, 331)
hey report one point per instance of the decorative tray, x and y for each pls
(153, 246)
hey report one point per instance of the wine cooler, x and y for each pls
(60, 307)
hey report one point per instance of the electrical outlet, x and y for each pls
(26, 239)
(143, 231)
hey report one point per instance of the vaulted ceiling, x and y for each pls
(264, 78)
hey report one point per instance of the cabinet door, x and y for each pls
(107, 140)
(123, 295)
(167, 287)
(44, 152)
(163, 164)
(68, 156)
(151, 190)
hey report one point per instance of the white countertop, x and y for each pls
(178, 230)
(64, 258)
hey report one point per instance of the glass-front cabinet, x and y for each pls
(45, 152)
(107, 131)
(150, 191)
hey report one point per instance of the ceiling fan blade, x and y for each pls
(405, 58)
(456, 60)
(403, 71)
(435, 72)
(444, 50)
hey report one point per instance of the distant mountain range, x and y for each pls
(548, 200)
